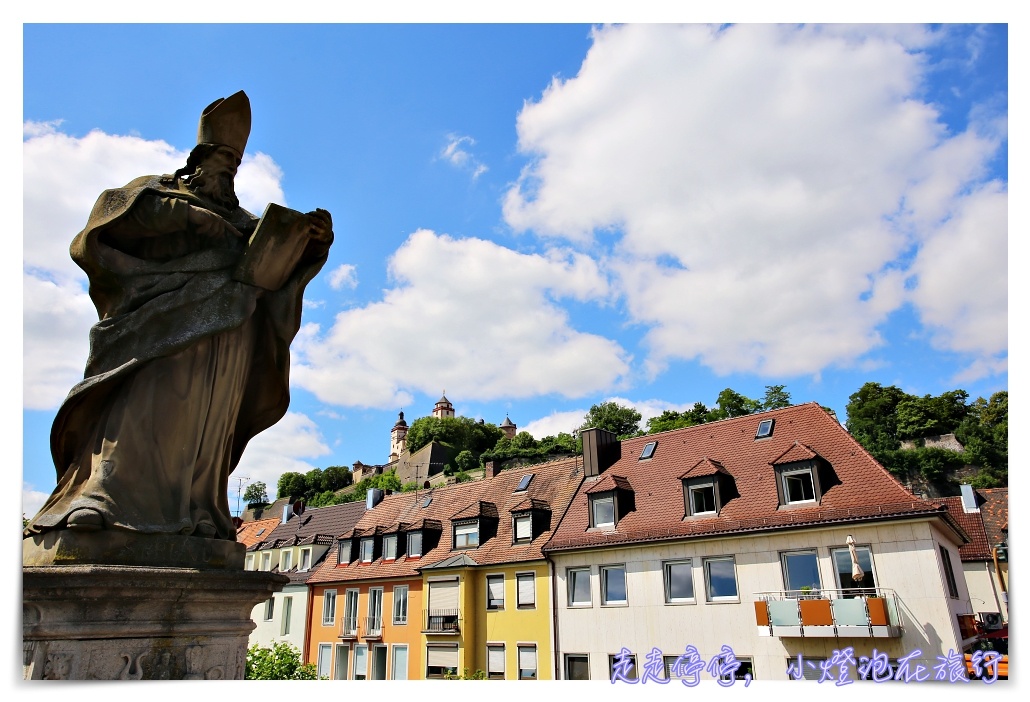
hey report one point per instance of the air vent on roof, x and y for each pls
(524, 483)
(648, 451)
(765, 428)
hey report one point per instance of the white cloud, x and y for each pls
(31, 499)
(62, 178)
(457, 153)
(344, 276)
(555, 423)
(764, 184)
(468, 315)
(281, 449)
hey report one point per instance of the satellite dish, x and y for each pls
(298, 507)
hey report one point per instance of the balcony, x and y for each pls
(865, 612)
(373, 628)
(349, 628)
(441, 621)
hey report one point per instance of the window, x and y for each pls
(525, 585)
(329, 608)
(679, 581)
(367, 548)
(342, 662)
(466, 535)
(949, 574)
(577, 666)
(625, 664)
(602, 510)
(613, 585)
(287, 611)
(843, 567)
(285, 561)
(800, 571)
(325, 659)
(350, 613)
(524, 483)
(443, 605)
(798, 486)
(441, 659)
(527, 662)
(746, 670)
(375, 612)
(266, 561)
(523, 527)
(495, 662)
(648, 451)
(812, 668)
(250, 561)
(720, 579)
(305, 559)
(701, 498)
(579, 587)
(765, 428)
(400, 604)
(389, 547)
(269, 609)
(343, 551)
(399, 665)
(415, 544)
(360, 662)
(495, 592)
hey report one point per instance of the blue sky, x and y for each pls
(535, 218)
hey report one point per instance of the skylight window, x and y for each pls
(425, 502)
(648, 451)
(524, 483)
(260, 531)
(765, 428)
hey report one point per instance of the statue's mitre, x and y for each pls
(226, 122)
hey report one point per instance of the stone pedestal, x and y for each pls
(111, 622)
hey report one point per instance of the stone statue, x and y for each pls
(187, 362)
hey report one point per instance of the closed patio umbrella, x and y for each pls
(856, 570)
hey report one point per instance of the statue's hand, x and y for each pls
(207, 223)
(319, 225)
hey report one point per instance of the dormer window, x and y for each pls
(799, 485)
(765, 428)
(648, 451)
(367, 549)
(466, 535)
(415, 544)
(305, 559)
(343, 551)
(602, 510)
(701, 498)
(286, 560)
(523, 527)
(266, 561)
(389, 547)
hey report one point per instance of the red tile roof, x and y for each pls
(554, 483)
(703, 468)
(607, 482)
(863, 489)
(979, 549)
(248, 534)
(995, 511)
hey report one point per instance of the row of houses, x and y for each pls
(770, 546)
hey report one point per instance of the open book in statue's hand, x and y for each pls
(274, 249)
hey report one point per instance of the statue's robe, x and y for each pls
(186, 365)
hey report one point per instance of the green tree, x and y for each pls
(918, 417)
(314, 482)
(466, 461)
(523, 440)
(256, 493)
(775, 397)
(460, 433)
(622, 421)
(281, 661)
(292, 485)
(872, 418)
(563, 443)
(732, 404)
(337, 477)
(671, 419)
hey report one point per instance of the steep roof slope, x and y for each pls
(858, 488)
(251, 533)
(978, 549)
(549, 492)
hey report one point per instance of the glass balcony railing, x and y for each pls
(872, 612)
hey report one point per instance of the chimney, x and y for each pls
(601, 449)
(373, 497)
(968, 499)
(492, 468)
(287, 513)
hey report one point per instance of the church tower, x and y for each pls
(398, 437)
